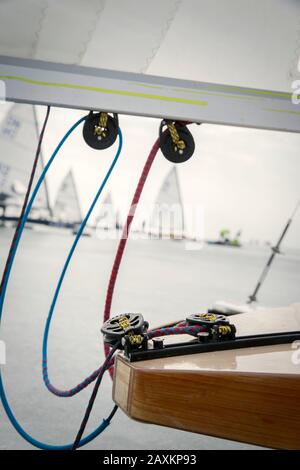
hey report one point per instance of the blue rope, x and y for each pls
(7, 408)
(60, 282)
(39, 444)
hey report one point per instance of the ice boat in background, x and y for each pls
(66, 210)
(18, 141)
(106, 218)
(167, 221)
(226, 240)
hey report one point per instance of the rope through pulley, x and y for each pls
(176, 142)
(130, 331)
(100, 130)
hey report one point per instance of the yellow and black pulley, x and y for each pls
(207, 319)
(216, 325)
(100, 129)
(176, 142)
(129, 326)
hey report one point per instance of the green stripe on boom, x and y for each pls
(105, 90)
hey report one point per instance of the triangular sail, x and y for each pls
(18, 143)
(66, 208)
(168, 215)
(107, 217)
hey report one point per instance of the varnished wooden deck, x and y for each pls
(250, 395)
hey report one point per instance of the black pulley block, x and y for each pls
(207, 319)
(117, 327)
(217, 326)
(176, 153)
(97, 135)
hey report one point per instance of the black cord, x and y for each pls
(112, 414)
(35, 162)
(93, 398)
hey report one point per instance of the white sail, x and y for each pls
(18, 143)
(168, 216)
(66, 208)
(107, 217)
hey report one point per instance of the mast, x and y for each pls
(36, 125)
(275, 250)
